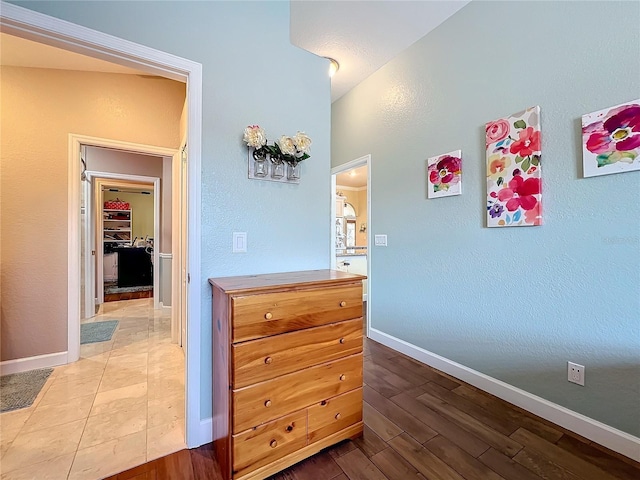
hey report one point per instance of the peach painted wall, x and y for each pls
(39, 109)
(357, 198)
(361, 237)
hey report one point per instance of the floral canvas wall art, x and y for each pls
(514, 193)
(611, 140)
(444, 175)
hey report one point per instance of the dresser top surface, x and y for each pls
(248, 283)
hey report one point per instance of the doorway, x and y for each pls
(123, 219)
(141, 181)
(48, 30)
(350, 222)
(130, 245)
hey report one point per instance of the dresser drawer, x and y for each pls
(266, 443)
(268, 400)
(332, 415)
(266, 358)
(256, 316)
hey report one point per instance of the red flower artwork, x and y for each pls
(520, 193)
(527, 144)
(621, 132)
(514, 188)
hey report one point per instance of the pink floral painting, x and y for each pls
(444, 175)
(611, 140)
(514, 190)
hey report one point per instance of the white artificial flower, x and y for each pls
(287, 145)
(302, 142)
(255, 136)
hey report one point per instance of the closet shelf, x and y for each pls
(116, 227)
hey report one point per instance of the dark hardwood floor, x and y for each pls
(423, 424)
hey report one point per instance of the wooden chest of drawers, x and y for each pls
(287, 368)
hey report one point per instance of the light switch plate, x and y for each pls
(239, 242)
(380, 240)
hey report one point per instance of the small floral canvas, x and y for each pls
(611, 140)
(514, 192)
(444, 175)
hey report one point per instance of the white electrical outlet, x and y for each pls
(575, 373)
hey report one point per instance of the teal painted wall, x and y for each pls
(513, 303)
(251, 75)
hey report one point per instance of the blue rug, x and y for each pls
(97, 331)
(19, 390)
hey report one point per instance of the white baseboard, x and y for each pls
(594, 430)
(32, 363)
(205, 435)
(165, 309)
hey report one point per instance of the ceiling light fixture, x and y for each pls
(334, 66)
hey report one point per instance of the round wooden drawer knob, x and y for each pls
(268, 315)
(273, 444)
(343, 377)
(337, 417)
(342, 340)
(343, 303)
(268, 360)
(267, 403)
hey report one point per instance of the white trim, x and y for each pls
(89, 263)
(165, 256)
(165, 309)
(358, 162)
(32, 25)
(332, 225)
(32, 363)
(100, 176)
(594, 430)
(194, 289)
(206, 429)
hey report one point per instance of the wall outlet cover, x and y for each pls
(380, 240)
(575, 373)
(239, 242)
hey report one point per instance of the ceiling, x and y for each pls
(364, 35)
(361, 35)
(19, 52)
(354, 178)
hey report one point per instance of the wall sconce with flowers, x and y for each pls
(267, 162)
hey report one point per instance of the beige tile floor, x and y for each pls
(120, 405)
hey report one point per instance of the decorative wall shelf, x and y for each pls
(270, 171)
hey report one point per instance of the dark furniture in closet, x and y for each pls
(134, 267)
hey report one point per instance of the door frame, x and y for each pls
(358, 162)
(38, 27)
(94, 219)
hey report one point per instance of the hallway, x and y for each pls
(120, 405)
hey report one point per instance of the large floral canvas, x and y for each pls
(514, 193)
(611, 140)
(444, 175)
